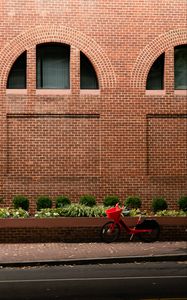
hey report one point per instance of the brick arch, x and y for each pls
(62, 34)
(151, 52)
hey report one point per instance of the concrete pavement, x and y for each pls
(89, 253)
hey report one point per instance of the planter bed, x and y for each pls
(82, 229)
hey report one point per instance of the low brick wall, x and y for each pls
(79, 229)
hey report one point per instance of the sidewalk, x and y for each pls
(86, 253)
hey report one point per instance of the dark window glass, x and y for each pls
(17, 75)
(181, 67)
(88, 77)
(53, 66)
(155, 78)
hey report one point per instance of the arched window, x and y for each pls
(88, 77)
(17, 75)
(155, 78)
(53, 66)
(180, 63)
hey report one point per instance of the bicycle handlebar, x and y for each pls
(125, 211)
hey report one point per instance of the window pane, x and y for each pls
(88, 77)
(17, 75)
(53, 66)
(155, 79)
(181, 67)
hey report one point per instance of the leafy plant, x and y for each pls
(97, 211)
(135, 212)
(21, 201)
(13, 213)
(88, 200)
(62, 201)
(4, 213)
(133, 202)
(182, 202)
(111, 200)
(171, 213)
(158, 204)
(47, 213)
(77, 210)
(43, 202)
(73, 210)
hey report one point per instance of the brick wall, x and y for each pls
(118, 140)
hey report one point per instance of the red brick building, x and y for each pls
(93, 98)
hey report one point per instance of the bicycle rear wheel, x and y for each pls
(110, 232)
(152, 236)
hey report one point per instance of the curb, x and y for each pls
(92, 261)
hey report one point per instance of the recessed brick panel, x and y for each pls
(167, 145)
(51, 145)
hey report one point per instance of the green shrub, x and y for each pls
(182, 202)
(158, 204)
(43, 202)
(88, 200)
(62, 201)
(133, 202)
(21, 201)
(111, 200)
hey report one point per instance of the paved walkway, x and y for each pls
(67, 253)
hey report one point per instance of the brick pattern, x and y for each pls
(167, 141)
(53, 145)
(99, 142)
(78, 234)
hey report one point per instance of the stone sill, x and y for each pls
(155, 93)
(53, 92)
(81, 222)
(180, 93)
(16, 91)
(90, 92)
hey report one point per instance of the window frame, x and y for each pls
(15, 69)
(162, 71)
(84, 60)
(41, 48)
(178, 47)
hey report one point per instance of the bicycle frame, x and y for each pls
(131, 231)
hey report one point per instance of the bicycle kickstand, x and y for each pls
(131, 237)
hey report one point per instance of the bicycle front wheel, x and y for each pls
(110, 232)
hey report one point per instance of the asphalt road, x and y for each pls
(111, 282)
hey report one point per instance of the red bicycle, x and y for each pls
(147, 230)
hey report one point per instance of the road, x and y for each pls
(112, 282)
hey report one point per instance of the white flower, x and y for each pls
(56, 214)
